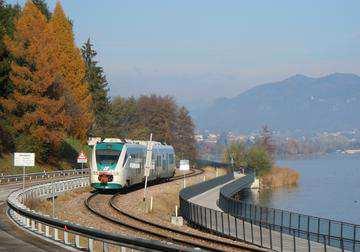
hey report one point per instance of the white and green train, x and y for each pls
(117, 163)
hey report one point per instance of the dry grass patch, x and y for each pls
(280, 177)
(166, 196)
(45, 205)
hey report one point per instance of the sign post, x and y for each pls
(148, 164)
(184, 166)
(82, 159)
(25, 160)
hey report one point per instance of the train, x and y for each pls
(117, 163)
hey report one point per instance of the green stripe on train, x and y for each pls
(106, 186)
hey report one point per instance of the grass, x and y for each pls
(167, 197)
(7, 167)
(70, 150)
(45, 205)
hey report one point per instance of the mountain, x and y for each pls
(299, 103)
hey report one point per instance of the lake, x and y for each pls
(329, 187)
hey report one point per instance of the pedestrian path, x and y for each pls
(215, 219)
(210, 198)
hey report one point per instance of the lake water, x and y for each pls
(329, 187)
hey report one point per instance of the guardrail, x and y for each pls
(41, 175)
(71, 234)
(274, 229)
(331, 233)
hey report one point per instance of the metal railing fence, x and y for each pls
(345, 236)
(71, 234)
(42, 175)
(274, 229)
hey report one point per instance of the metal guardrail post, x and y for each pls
(216, 220)
(222, 221)
(294, 240)
(228, 217)
(90, 245)
(243, 225)
(236, 228)
(261, 236)
(205, 218)
(56, 234)
(281, 238)
(270, 236)
(252, 231)
(105, 247)
(66, 237)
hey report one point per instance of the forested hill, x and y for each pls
(309, 104)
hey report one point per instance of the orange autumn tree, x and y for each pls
(71, 73)
(36, 108)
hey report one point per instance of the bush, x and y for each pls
(258, 159)
(255, 157)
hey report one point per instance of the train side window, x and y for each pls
(158, 161)
(171, 158)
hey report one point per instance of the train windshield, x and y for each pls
(107, 157)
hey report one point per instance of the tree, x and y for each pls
(238, 152)
(267, 142)
(70, 74)
(255, 157)
(159, 115)
(35, 108)
(184, 142)
(258, 159)
(7, 16)
(125, 122)
(43, 7)
(97, 85)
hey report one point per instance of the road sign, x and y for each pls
(184, 165)
(24, 159)
(82, 159)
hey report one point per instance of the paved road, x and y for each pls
(12, 238)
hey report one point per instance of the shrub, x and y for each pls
(258, 159)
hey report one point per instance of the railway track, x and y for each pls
(158, 231)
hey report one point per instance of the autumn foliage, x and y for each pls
(51, 91)
(49, 98)
(70, 73)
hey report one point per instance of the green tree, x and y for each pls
(98, 87)
(238, 152)
(258, 159)
(8, 13)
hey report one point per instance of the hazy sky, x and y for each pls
(197, 50)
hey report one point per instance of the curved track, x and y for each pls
(164, 232)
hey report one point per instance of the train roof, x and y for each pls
(95, 140)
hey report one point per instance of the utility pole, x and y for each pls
(148, 164)
(23, 177)
(53, 197)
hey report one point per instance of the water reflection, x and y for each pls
(328, 188)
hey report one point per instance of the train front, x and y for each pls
(106, 165)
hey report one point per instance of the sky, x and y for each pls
(200, 50)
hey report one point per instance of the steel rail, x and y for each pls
(194, 172)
